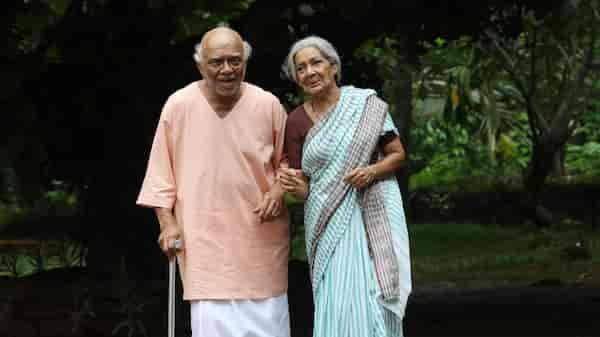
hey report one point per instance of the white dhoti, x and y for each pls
(241, 318)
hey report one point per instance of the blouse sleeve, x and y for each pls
(389, 131)
(293, 143)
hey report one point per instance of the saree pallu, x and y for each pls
(356, 239)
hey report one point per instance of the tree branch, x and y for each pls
(565, 108)
(509, 63)
(536, 122)
(532, 65)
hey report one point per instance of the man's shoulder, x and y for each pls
(178, 100)
(187, 92)
(261, 94)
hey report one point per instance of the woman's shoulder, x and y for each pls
(298, 115)
(375, 99)
(298, 122)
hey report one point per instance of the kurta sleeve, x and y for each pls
(279, 119)
(159, 188)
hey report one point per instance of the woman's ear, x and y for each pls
(336, 75)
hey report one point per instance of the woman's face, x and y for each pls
(314, 73)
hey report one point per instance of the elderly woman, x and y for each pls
(342, 149)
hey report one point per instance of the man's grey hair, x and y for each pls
(198, 52)
(324, 46)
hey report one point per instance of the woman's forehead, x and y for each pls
(307, 53)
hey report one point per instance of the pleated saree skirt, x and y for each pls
(346, 304)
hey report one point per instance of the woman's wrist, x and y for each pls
(371, 173)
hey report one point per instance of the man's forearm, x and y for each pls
(276, 190)
(166, 218)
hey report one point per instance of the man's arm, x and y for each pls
(158, 188)
(272, 202)
(169, 230)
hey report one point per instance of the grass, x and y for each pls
(467, 253)
(476, 255)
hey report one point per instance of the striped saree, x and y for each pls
(356, 240)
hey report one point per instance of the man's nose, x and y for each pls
(227, 68)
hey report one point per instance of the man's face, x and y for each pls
(223, 66)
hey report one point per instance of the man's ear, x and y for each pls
(200, 70)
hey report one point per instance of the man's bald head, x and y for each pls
(221, 35)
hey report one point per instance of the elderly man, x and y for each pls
(211, 181)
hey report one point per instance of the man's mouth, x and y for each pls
(228, 81)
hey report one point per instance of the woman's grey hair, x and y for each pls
(198, 51)
(324, 46)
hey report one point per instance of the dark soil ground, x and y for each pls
(53, 305)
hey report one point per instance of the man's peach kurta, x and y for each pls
(214, 171)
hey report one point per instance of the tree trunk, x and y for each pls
(539, 168)
(558, 163)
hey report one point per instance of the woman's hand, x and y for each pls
(394, 155)
(360, 177)
(294, 181)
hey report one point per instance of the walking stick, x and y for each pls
(172, 272)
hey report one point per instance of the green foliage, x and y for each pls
(72, 254)
(392, 66)
(56, 254)
(458, 157)
(495, 253)
(15, 264)
(584, 160)
(60, 201)
(298, 244)
(466, 101)
(198, 16)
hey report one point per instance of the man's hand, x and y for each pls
(169, 231)
(270, 206)
(294, 181)
(167, 239)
